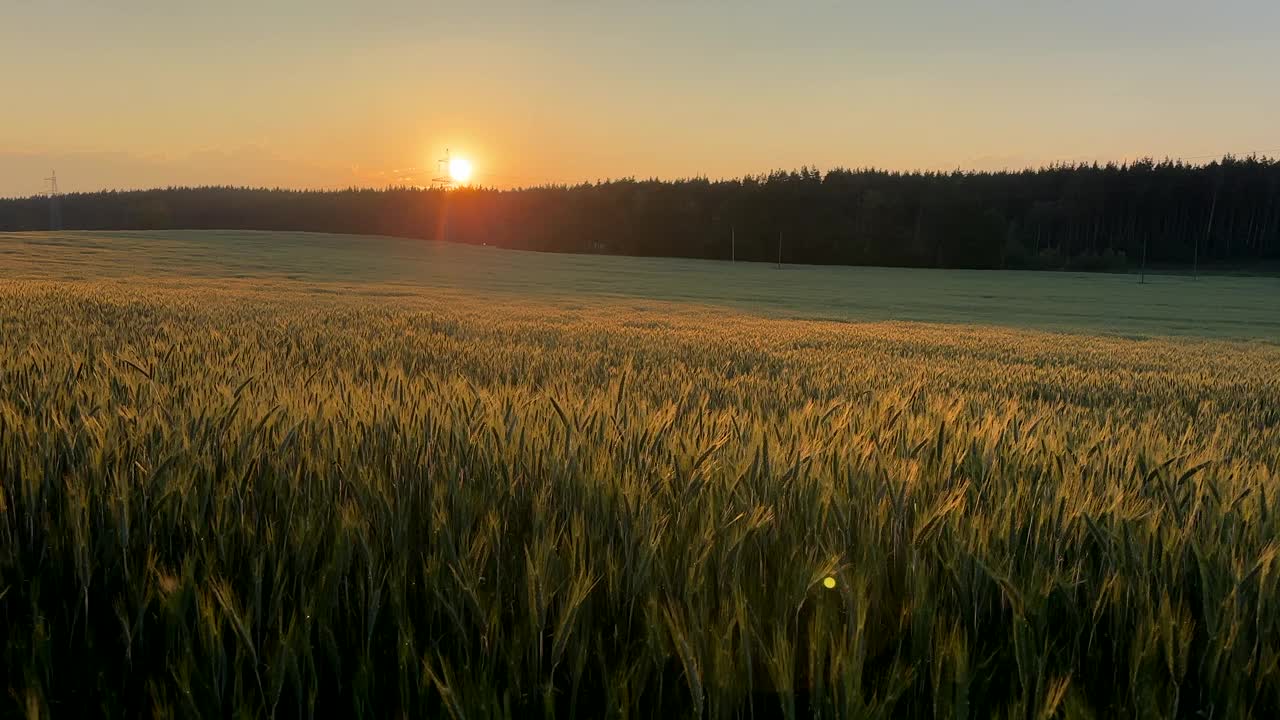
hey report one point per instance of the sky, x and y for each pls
(327, 94)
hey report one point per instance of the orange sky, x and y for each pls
(323, 94)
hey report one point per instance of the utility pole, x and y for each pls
(55, 212)
(444, 181)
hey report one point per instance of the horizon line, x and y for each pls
(1196, 162)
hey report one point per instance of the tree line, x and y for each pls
(1079, 217)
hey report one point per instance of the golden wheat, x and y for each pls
(265, 499)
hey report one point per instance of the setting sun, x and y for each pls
(460, 170)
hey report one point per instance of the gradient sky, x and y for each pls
(319, 93)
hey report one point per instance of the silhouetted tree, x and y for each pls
(1085, 217)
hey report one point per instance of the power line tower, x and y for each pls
(444, 179)
(55, 206)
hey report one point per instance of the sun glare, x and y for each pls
(460, 169)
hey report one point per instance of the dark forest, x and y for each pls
(1079, 217)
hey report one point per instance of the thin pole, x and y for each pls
(733, 244)
(779, 249)
(55, 213)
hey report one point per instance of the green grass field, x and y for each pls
(247, 474)
(1227, 307)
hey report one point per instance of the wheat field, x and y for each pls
(268, 497)
(1227, 307)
